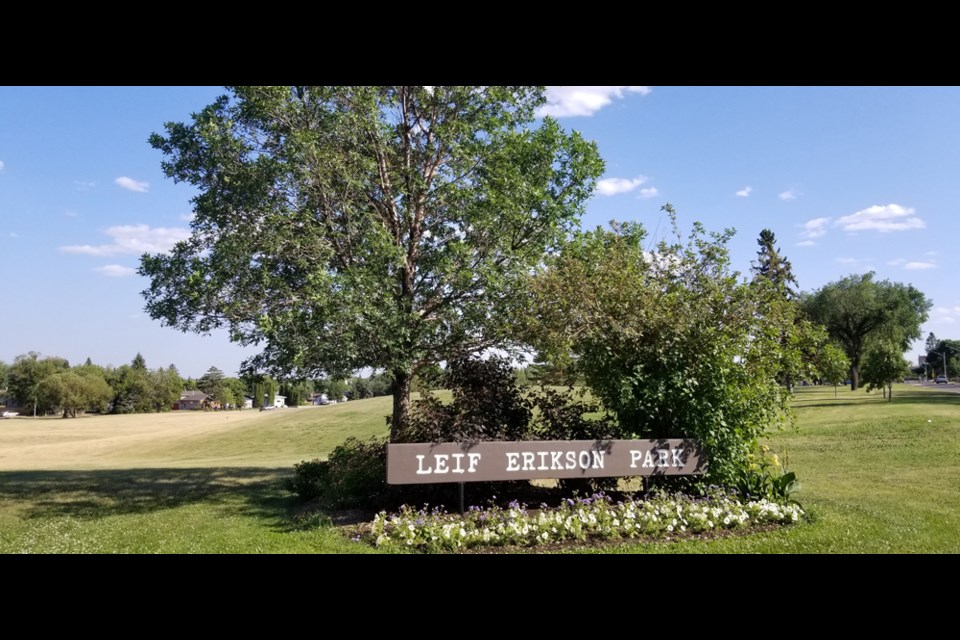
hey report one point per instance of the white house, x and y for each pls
(279, 401)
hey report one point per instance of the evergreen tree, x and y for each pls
(773, 266)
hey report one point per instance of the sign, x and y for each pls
(541, 459)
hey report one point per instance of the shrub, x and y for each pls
(487, 405)
(310, 479)
(668, 338)
(353, 476)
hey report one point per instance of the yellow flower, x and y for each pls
(775, 460)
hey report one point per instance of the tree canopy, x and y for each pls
(25, 375)
(668, 338)
(858, 310)
(365, 226)
(884, 364)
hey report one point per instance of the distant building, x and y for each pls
(279, 401)
(190, 400)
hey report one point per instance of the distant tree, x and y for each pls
(943, 355)
(884, 364)
(771, 266)
(546, 373)
(25, 375)
(832, 365)
(295, 392)
(336, 388)
(264, 390)
(132, 390)
(212, 383)
(381, 384)
(139, 363)
(4, 370)
(859, 310)
(800, 339)
(70, 392)
(165, 388)
(360, 388)
(237, 388)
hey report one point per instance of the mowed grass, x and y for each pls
(877, 477)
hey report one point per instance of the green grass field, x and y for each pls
(877, 476)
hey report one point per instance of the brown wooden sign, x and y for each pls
(541, 459)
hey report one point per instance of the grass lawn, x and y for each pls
(878, 477)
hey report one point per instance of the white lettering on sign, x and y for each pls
(661, 459)
(553, 460)
(441, 463)
(491, 461)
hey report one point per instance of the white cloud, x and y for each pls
(897, 262)
(745, 192)
(847, 260)
(806, 243)
(1, 166)
(917, 266)
(14, 234)
(649, 192)
(132, 185)
(115, 271)
(188, 217)
(82, 185)
(884, 219)
(814, 228)
(790, 194)
(613, 186)
(133, 239)
(931, 254)
(583, 101)
(945, 314)
(70, 213)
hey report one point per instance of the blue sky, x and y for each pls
(850, 179)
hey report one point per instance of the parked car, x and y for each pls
(10, 414)
(942, 379)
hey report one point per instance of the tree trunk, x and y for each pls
(854, 377)
(401, 402)
(890, 395)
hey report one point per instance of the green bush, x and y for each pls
(354, 476)
(669, 338)
(310, 479)
(487, 405)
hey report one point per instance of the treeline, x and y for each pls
(44, 385)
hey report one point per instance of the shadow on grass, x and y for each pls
(253, 491)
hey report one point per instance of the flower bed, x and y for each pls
(595, 518)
